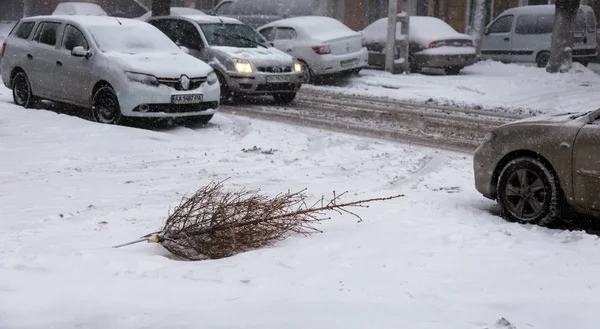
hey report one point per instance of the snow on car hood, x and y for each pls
(257, 56)
(162, 65)
(561, 118)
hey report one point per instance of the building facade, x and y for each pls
(356, 14)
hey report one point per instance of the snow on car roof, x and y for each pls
(423, 30)
(79, 8)
(538, 9)
(85, 20)
(315, 27)
(212, 19)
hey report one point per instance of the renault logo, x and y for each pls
(185, 82)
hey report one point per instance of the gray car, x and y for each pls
(538, 167)
(245, 63)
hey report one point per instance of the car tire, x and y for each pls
(453, 70)
(21, 90)
(542, 59)
(105, 106)
(284, 98)
(413, 66)
(308, 75)
(227, 95)
(528, 192)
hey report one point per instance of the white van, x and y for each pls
(524, 35)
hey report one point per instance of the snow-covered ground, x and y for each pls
(488, 84)
(437, 258)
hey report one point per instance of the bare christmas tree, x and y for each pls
(216, 223)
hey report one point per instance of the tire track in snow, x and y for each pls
(442, 127)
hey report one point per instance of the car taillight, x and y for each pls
(321, 50)
(3, 49)
(363, 42)
(433, 45)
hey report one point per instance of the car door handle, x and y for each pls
(288, 50)
(58, 63)
(507, 39)
(29, 56)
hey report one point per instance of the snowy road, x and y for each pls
(445, 127)
(438, 258)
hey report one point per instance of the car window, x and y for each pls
(226, 8)
(285, 33)
(267, 33)
(502, 25)
(24, 30)
(74, 38)
(166, 26)
(534, 24)
(526, 24)
(46, 33)
(591, 21)
(231, 35)
(187, 35)
(545, 24)
(580, 25)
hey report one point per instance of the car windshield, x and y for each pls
(132, 39)
(231, 35)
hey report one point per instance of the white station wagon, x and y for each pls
(116, 67)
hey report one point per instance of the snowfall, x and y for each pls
(439, 257)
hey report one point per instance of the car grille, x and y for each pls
(275, 69)
(181, 108)
(584, 52)
(277, 86)
(174, 83)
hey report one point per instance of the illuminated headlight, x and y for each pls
(243, 66)
(212, 78)
(489, 137)
(297, 66)
(142, 78)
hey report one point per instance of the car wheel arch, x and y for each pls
(520, 154)
(14, 73)
(97, 86)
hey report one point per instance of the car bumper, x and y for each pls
(155, 102)
(484, 166)
(331, 64)
(441, 61)
(261, 83)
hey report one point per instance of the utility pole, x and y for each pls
(161, 7)
(391, 36)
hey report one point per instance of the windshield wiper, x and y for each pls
(238, 37)
(250, 40)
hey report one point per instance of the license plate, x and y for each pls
(186, 99)
(278, 78)
(349, 62)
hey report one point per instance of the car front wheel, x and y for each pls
(528, 192)
(105, 106)
(21, 90)
(284, 98)
(453, 70)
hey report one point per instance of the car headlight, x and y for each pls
(489, 137)
(242, 66)
(297, 67)
(211, 78)
(142, 78)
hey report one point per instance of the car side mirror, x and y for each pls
(79, 51)
(486, 31)
(185, 49)
(272, 44)
(212, 12)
